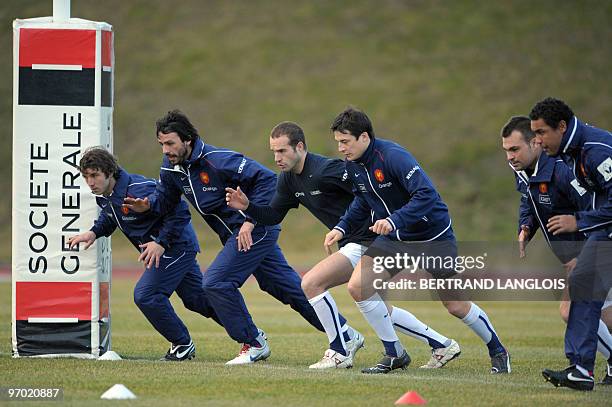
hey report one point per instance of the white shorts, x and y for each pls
(353, 252)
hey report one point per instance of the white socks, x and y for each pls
(375, 312)
(327, 311)
(407, 323)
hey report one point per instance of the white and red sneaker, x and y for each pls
(251, 354)
(333, 360)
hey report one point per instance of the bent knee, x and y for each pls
(458, 309)
(354, 289)
(311, 286)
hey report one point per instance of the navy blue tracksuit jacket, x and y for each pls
(178, 270)
(389, 183)
(202, 179)
(588, 151)
(550, 190)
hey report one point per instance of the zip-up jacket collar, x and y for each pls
(572, 138)
(369, 153)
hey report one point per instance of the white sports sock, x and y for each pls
(327, 311)
(604, 342)
(408, 324)
(375, 312)
(479, 322)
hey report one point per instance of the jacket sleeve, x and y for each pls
(257, 182)
(598, 165)
(103, 226)
(526, 216)
(166, 196)
(423, 195)
(173, 225)
(580, 198)
(357, 213)
(274, 213)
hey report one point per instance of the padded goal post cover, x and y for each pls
(62, 104)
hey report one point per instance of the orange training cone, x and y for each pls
(411, 397)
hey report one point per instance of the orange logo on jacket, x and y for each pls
(125, 210)
(204, 177)
(378, 174)
(543, 188)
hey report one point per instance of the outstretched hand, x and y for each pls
(236, 199)
(137, 204)
(523, 239)
(88, 238)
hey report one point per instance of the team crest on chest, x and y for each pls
(378, 174)
(125, 210)
(204, 177)
(544, 198)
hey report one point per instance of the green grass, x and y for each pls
(532, 331)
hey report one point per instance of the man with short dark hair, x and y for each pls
(201, 172)
(321, 185)
(549, 188)
(168, 247)
(391, 188)
(588, 151)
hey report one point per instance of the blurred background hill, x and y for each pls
(439, 77)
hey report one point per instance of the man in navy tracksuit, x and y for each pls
(548, 188)
(168, 247)
(201, 172)
(393, 191)
(588, 151)
(321, 185)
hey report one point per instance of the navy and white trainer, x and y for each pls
(389, 363)
(179, 353)
(500, 363)
(570, 377)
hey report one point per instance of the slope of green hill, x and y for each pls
(440, 77)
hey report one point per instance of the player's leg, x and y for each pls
(374, 310)
(330, 272)
(604, 338)
(151, 295)
(587, 298)
(225, 275)
(468, 312)
(192, 294)
(443, 349)
(478, 321)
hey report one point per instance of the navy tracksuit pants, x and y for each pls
(178, 271)
(266, 263)
(589, 284)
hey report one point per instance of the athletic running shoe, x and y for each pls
(333, 360)
(179, 353)
(500, 363)
(251, 354)
(355, 344)
(441, 356)
(570, 377)
(389, 363)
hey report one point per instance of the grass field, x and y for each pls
(532, 331)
